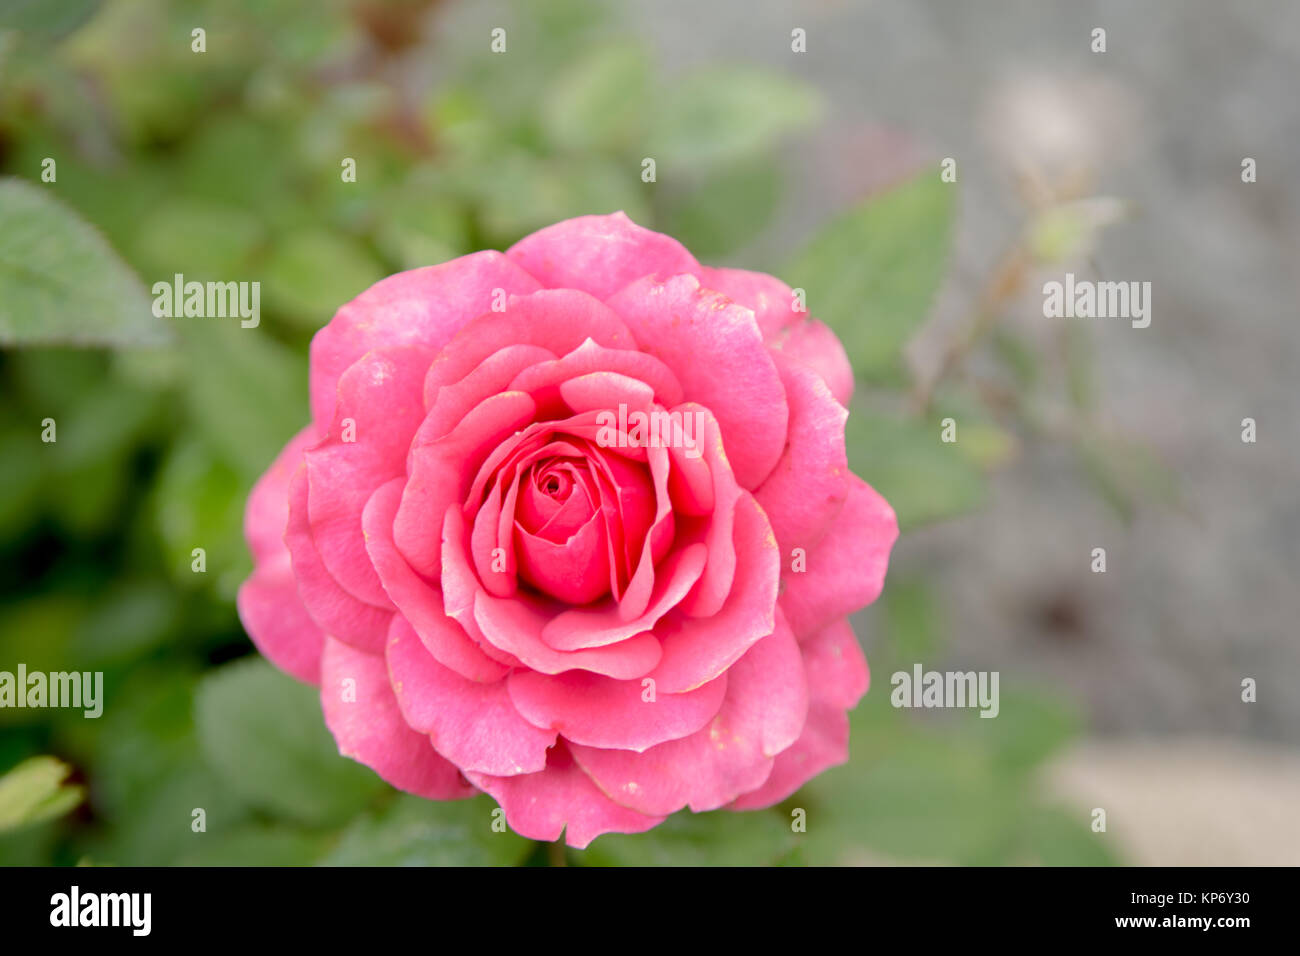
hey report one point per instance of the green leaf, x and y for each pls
(312, 273)
(126, 622)
(34, 792)
(415, 832)
(925, 801)
(253, 844)
(202, 240)
(729, 208)
(20, 481)
(246, 393)
(46, 21)
(911, 619)
(418, 225)
(264, 734)
(61, 283)
(149, 776)
(925, 479)
(199, 503)
(718, 838)
(597, 103)
(519, 192)
(873, 273)
(1030, 728)
(716, 116)
(1052, 836)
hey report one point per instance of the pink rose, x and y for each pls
(542, 536)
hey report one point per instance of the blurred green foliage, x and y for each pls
(226, 165)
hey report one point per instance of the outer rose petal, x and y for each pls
(599, 254)
(268, 601)
(336, 611)
(560, 798)
(382, 396)
(770, 299)
(824, 744)
(371, 730)
(807, 488)
(598, 711)
(813, 344)
(837, 679)
(279, 625)
(800, 337)
(677, 321)
(472, 724)
(836, 666)
(847, 569)
(422, 307)
(267, 513)
(763, 714)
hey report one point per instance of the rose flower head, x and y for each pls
(573, 525)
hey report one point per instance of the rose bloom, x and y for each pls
(505, 579)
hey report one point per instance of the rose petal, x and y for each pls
(438, 476)
(279, 625)
(590, 357)
(814, 345)
(418, 603)
(514, 626)
(599, 712)
(450, 403)
(720, 571)
(474, 725)
(770, 299)
(798, 336)
(836, 666)
(603, 625)
(763, 714)
(379, 408)
(678, 322)
(824, 744)
(575, 571)
(267, 513)
(557, 320)
(268, 602)
(807, 488)
(837, 679)
(421, 306)
(846, 571)
(337, 612)
(369, 728)
(560, 799)
(696, 650)
(599, 254)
